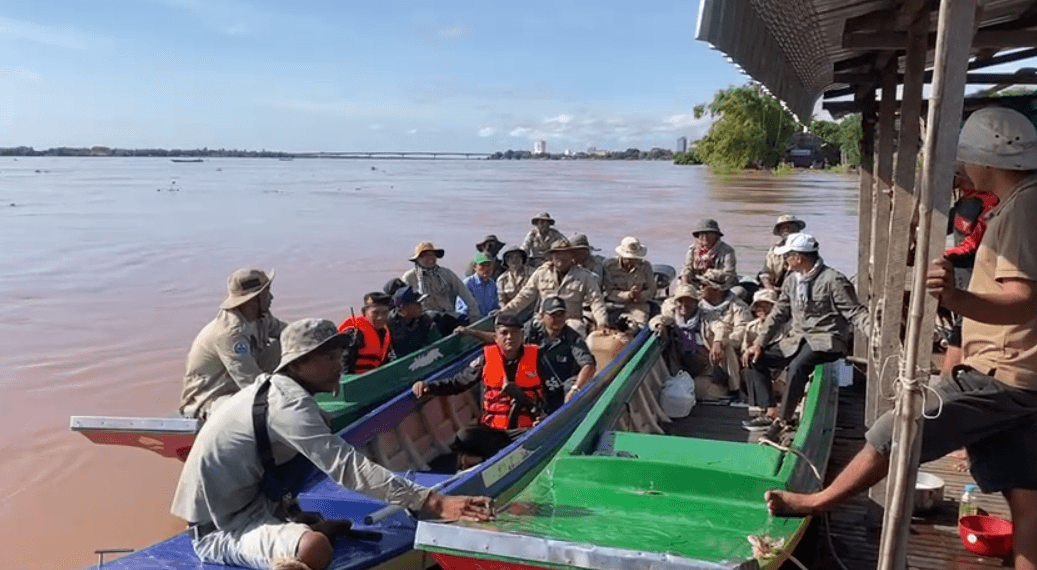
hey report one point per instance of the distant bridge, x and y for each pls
(395, 155)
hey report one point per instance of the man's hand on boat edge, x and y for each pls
(460, 507)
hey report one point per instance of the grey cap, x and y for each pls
(305, 336)
(552, 304)
(707, 225)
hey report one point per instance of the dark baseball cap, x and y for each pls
(508, 320)
(552, 304)
(405, 296)
(377, 298)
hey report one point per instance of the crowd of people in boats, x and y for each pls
(252, 378)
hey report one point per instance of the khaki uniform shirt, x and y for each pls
(824, 319)
(578, 287)
(711, 327)
(735, 316)
(620, 282)
(442, 287)
(222, 475)
(537, 244)
(1008, 251)
(774, 265)
(510, 283)
(226, 356)
(725, 262)
(596, 265)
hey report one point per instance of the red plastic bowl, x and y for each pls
(984, 535)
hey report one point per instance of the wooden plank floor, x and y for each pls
(856, 526)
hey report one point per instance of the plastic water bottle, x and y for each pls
(967, 506)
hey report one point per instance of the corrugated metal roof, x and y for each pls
(791, 46)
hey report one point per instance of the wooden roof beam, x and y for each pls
(983, 39)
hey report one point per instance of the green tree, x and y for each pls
(689, 157)
(751, 129)
(827, 130)
(850, 135)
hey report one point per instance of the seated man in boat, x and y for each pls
(989, 403)
(569, 364)
(709, 252)
(629, 280)
(584, 258)
(761, 398)
(685, 329)
(235, 347)
(439, 288)
(511, 374)
(719, 304)
(482, 285)
(370, 340)
(540, 238)
(819, 305)
(410, 328)
(233, 489)
(491, 246)
(561, 276)
(515, 275)
(772, 276)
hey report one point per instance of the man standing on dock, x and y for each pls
(238, 345)
(989, 404)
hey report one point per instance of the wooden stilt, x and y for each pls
(946, 101)
(867, 104)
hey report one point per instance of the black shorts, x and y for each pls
(995, 422)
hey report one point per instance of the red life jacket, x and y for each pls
(497, 403)
(375, 350)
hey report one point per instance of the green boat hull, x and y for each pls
(616, 496)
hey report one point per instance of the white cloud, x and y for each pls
(519, 131)
(486, 132)
(561, 119)
(66, 37)
(454, 32)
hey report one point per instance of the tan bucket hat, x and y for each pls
(789, 219)
(715, 278)
(631, 247)
(423, 247)
(245, 284)
(560, 245)
(764, 296)
(685, 292)
(998, 137)
(305, 336)
(543, 216)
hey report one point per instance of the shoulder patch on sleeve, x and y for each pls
(241, 347)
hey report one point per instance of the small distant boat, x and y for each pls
(187, 160)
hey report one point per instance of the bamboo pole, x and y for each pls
(946, 101)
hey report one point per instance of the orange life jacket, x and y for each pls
(497, 403)
(375, 350)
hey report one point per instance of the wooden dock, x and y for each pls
(856, 526)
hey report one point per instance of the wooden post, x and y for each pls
(867, 150)
(946, 101)
(880, 226)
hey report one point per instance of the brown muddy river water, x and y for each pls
(110, 266)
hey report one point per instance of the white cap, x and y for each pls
(799, 243)
(999, 137)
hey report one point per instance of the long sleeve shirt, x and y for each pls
(223, 473)
(485, 293)
(820, 306)
(724, 260)
(226, 356)
(620, 282)
(511, 282)
(733, 313)
(441, 288)
(536, 244)
(578, 287)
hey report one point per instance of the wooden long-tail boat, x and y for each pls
(626, 492)
(407, 435)
(172, 436)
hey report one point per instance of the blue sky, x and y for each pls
(383, 75)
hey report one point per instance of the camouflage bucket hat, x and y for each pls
(244, 284)
(305, 336)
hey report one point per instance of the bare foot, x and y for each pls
(788, 504)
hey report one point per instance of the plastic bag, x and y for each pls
(678, 395)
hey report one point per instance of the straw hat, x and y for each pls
(707, 225)
(579, 241)
(308, 335)
(998, 137)
(789, 219)
(631, 247)
(561, 245)
(764, 296)
(423, 247)
(543, 216)
(245, 284)
(799, 243)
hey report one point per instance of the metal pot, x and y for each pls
(928, 492)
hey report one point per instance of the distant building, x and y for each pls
(682, 145)
(540, 147)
